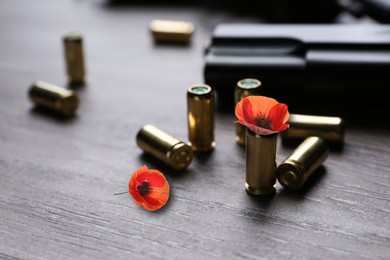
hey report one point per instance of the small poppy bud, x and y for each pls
(149, 188)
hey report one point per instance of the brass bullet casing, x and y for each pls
(53, 97)
(244, 88)
(74, 57)
(260, 163)
(294, 171)
(200, 108)
(164, 147)
(331, 129)
(171, 31)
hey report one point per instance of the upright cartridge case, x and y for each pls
(244, 88)
(200, 114)
(331, 129)
(260, 163)
(54, 97)
(74, 57)
(164, 147)
(294, 171)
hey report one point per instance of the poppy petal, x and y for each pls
(248, 114)
(139, 171)
(134, 182)
(262, 104)
(279, 115)
(157, 199)
(239, 111)
(242, 122)
(260, 130)
(155, 177)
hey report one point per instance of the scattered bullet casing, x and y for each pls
(171, 31)
(294, 171)
(331, 129)
(244, 88)
(260, 163)
(53, 97)
(74, 57)
(164, 147)
(200, 108)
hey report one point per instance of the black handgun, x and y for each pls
(343, 63)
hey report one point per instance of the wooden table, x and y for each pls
(58, 177)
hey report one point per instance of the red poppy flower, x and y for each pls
(262, 115)
(149, 188)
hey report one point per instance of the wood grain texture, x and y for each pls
(58, 177)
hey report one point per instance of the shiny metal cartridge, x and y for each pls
(244, 88)
(164, 147)
(53, 97)
(331, 129)
(294, 171)
(171, 31)
(261, 153)
(74, 57)
(200, 108)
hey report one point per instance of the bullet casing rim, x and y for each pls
(176, 148)
(293, 166)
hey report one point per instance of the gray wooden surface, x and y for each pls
(58, 177)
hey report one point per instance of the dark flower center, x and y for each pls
(263, 122)
(144, 188)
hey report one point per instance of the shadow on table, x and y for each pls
(309, 186)
(259, 206)
(203, 157)
(52, 114)
(263, 202)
